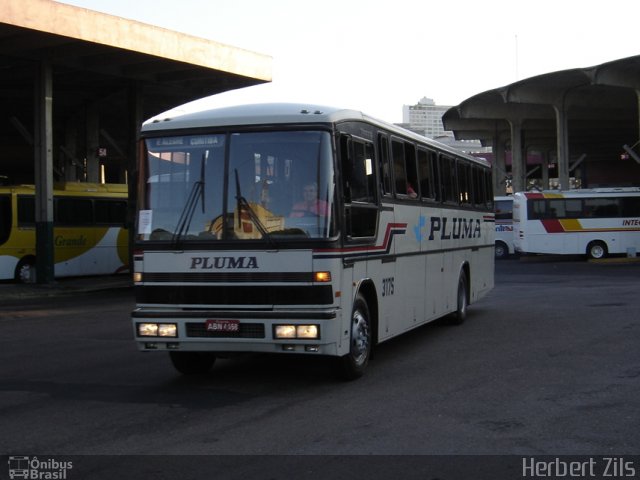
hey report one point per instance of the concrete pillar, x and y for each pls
(43, 154)
(499, 170)
(518, 166)
(93, 143)
(136, 109)
(70, 150)
(638, 98)
(545, 169)
(562, 139)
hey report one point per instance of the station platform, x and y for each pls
(17, 292)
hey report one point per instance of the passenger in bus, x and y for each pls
(410, 191)
(311, 205)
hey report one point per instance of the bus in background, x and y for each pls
(89, 232)
(593, 222)
(285, 228)
(503, 207)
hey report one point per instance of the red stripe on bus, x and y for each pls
(534, 195)
(383, 247)
(552, 226)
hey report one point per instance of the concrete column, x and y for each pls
(499, 170)
(136, 109)
(43, 154)
(545, 169)
(562, 139)
(71, 149)
(93, 143)
(518, 166)
(638, 98)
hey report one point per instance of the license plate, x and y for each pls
(223, 325)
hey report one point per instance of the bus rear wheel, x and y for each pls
(353, 364)
(26, 270)
(460, 315)
(597, 250)
(192, 363)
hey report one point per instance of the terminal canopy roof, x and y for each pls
(597, 106)
(107, 73)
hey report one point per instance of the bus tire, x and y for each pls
(353, 364)
(597, 249)
(26, 270)
(192, 363)
(502, 250)
(462, 301)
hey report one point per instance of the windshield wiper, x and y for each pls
(242, 202)
(196, 193)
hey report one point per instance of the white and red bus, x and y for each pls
(594, 222)
(284, 228)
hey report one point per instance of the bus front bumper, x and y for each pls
(308, 331)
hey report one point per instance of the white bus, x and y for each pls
(594, 222)
(292, 229)
(503, 207)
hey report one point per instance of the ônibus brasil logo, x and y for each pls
(38, 469)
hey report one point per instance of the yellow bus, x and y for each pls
(89, 233)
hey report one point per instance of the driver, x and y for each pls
(311, 204)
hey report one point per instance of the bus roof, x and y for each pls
(285, 113)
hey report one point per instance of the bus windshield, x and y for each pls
(241, 186)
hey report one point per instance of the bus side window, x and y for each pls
(345, 157)
(399, 172)
(412, 186)
(488, 189)
(359, 177)
(464, 183)
(73, 211)
(385, 168)
(425, 174)
(478, 187)
(448, 179)
(630, 206)
(5, 218)
(504, 209)
(26, 211)
(437, 178)
(110, 212)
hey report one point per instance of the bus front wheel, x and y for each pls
(192, 363)
(353, 364)
(597, 250)
(502, 251)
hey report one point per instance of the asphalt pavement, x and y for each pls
(11, 292)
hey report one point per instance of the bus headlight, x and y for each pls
(285, 331)
(305, 332)
(157, 330)
(167, 330)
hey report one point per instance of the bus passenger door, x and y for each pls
(364, 233)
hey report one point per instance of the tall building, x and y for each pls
(425, 118)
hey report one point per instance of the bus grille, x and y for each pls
(234, 295)
(247, 330)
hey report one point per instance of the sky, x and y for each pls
(376, 56)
